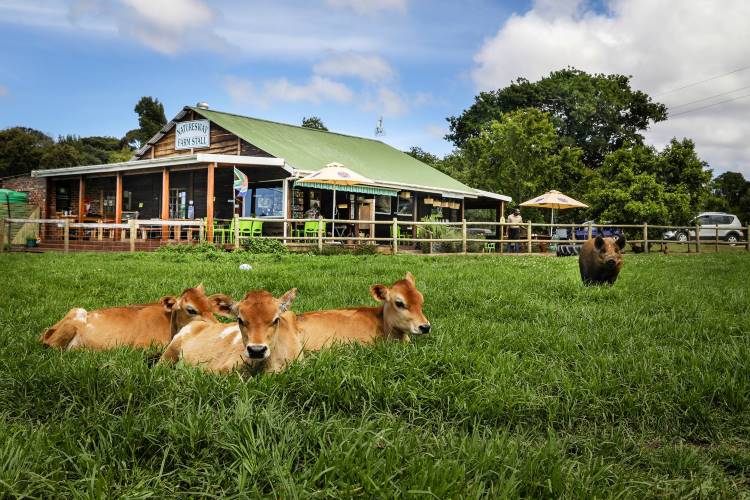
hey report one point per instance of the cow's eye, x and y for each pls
(240, 321)
(276, 320)
(400, 304)
(191, 310)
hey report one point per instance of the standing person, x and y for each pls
(514, 231)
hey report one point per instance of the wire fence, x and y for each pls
(394, 235)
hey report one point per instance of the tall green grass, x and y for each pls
(529, 385)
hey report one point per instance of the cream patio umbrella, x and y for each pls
(335, 174)
(554, 200)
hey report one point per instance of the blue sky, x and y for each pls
(79, 66)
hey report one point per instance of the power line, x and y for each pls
(709, 105)
(703, 81)
(710, 97)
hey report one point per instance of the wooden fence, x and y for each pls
(463, 237)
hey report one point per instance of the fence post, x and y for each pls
(133, 233)
(320, 233)
(394, 232)
(66, 235)
(201, 231)
(591, 230)
(463, 234)
(2, 235)
(717, 238)
(747, 238)
(528, 238)
(697, 238)
(502, 234)
(645, 237)
(236, 232)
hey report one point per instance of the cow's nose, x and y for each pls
(257, 351)
(611, 262)
(425, 328)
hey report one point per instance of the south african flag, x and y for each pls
(240, 182)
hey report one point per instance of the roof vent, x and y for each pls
(202, 105)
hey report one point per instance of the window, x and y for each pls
(264, 202)
(383, 204)
(404, 203)
(62, 197)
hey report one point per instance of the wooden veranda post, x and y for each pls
(463, 235)
(210, 202)
(118, 204)
(645, 237)
(394, 234)
(528, 237)
(164, 202)
(81, 198)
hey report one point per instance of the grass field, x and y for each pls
(529, 385)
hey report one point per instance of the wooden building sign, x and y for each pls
(193, 134)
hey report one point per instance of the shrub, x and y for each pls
(438, 231)
(264, 245)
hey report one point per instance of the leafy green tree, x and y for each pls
(518, 155)
(597, 113)
(61, 155)
(679, 167)
(151, 119)
(730, 192)
(632, 189)
(21, 149)
(314, 122)
(423, 156)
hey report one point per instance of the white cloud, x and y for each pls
(368, 68)
(436, 131)
(4, 91)
(663, 44)
(318, 89)
(170, 28)
(369, 6)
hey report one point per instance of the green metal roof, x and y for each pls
(311, 149)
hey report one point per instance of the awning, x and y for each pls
(357, 188)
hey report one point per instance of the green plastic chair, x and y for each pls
(489, 247)
(246, 228)
(257, 229)
(311, 229)
(226, 234)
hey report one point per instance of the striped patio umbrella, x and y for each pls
(335, 174)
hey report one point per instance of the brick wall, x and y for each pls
(34, 186)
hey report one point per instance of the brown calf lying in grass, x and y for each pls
(399, 316)
(265, 337)
(137, 325)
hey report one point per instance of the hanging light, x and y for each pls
(405, 195)
(429, 201)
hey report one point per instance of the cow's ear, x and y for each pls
(168, 302)
(599, 242)
(621, 241)
(411, 279)
(285, 301)
(200, 288)
(379, 292)
(222, 304)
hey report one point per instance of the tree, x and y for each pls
(518, 155)
(730, 192)
(597, 113)
(423, 156)
(21, 148)
(151, 119)
(314, 122)
(61, 155)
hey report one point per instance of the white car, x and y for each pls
(729, 228)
